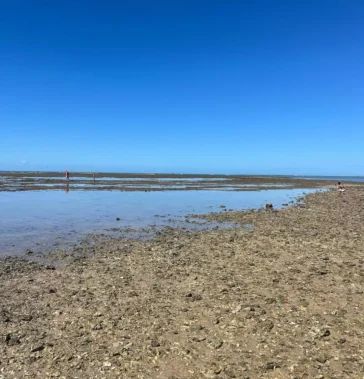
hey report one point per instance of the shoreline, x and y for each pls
(280, 300)
(20, 182)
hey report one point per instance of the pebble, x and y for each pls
(216, 344)
(26, 318)
(37, 348)
(154, 343)
(271, 365)
(198, 338)
(12, 340)
(230, 373)
(322, 359)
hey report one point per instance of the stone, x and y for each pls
(12, 340)
(268, 325)
(198, 338)
(37, 348)
(4, 316)
(321, 359)
(272, 366)
(194, 297)
(230, 373)
(216, 344)
(237, 309)
(26, 318)
(196, 328)
(154, 343)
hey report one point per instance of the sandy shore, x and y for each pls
(283, 299)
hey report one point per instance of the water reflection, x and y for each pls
(36, 219)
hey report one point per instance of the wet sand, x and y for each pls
(281, 299)
(18, 181)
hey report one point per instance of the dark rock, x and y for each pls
(216, 344)
(326, 333)
(12, 340)
(37, 348)
(154, 343)
(271, 366)
(218, 371)
(341, 340)
(97, 326)
(194, 297)
(117, 219)
(271, 300)
(268, 206)
(268, 325)
(5, 316)
(322, 359)
(230, 373)
(198, 338)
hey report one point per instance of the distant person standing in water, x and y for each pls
(67, 175)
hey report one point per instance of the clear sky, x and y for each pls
(228, 86)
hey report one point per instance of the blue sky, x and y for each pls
(266, 87)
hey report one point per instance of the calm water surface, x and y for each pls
(37, 220)
(358, 179)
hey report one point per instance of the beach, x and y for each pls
(279, 296)
(80, 181)
(43, 212)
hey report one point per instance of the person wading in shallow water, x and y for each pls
(67, 175)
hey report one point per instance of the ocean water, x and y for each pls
(334, 179)
(37, 220)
